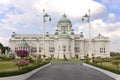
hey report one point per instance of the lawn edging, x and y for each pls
(24, 76)
(111, 74)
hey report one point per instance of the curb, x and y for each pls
(113, 75)
(24, 76)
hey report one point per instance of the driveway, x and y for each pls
(69, 71)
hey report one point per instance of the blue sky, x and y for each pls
(25, 17)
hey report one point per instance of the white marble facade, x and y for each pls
(64, 43)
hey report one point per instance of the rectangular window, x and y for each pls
(16, 49)
(33, 37)
(40, 49)
(17, 37)
(102, 50)
(51, 49)
(33, 49)
(76, 49)
(25, 37)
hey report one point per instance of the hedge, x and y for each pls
(104, 67)
(22, 71)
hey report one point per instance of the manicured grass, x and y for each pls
(7, 66)
(107, 66)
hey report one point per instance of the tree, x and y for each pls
(116, 61)
(114, 54)
(22, 53)
(87, 59)
(98, 60)
(7, 49)
(1, 48)
(4, 49)
(1, 45)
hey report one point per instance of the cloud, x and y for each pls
(110, 30)
(25, 16)
(72, 8)
(4, 1)
(111, 17)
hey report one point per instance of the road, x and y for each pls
(69, 71)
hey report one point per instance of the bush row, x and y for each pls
(104, 67)
(23, 71)
(5, 58)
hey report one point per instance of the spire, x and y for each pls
(64, 15)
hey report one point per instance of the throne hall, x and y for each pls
(63, 43)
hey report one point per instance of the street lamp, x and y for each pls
(44, 16)
(37, 45)
(88, 20)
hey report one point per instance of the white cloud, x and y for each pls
(72, 8)
(31, 11)
(111, 17)
(4, 1)
(110, 30)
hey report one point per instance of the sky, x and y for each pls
(25, 17)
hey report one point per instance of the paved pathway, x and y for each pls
(69, 71)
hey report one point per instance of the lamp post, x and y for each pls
(89, 43)
(37, 45)
(44, 16)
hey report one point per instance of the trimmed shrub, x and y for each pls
(22, 63)
(22, 71)
(105, 68)
(5, 58)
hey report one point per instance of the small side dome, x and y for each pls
(23, 43)
(13, 35)
(47, 35)
(81, 34)
(56, 33)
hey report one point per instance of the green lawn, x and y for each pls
(7, 66)
(108, 64)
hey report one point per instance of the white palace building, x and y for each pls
(64, 43)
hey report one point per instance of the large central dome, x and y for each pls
(64, 24)
(64, 19)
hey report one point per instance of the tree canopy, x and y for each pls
(4, 49)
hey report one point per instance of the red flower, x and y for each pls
(22, 53)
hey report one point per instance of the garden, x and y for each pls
(111, 64)
(11, 66)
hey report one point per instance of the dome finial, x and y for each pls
(64, 15)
